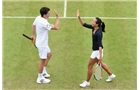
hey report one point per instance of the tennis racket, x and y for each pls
(28, 38)
(98, 72)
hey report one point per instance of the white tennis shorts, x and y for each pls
(43, 51)
(96, 54)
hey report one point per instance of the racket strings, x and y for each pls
(97, 73)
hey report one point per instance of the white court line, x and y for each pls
(127, 18)
(65, 8)
(105, 0)
(74, 0)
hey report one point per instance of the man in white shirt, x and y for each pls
(42, 27)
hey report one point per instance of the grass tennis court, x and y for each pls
(70, 45)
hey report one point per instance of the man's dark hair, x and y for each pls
(44, 10)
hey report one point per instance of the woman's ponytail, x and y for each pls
(103, 26)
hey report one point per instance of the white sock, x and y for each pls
(44, 70)
(40, 75)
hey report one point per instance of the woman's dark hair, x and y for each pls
(44, 10)
(100, 24)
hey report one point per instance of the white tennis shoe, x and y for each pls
(110, 78)
(43, 80)
(46, 75)
(84, 84)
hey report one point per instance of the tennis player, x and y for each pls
(42, 26)
(97, 28)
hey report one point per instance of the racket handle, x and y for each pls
(27, 37)
(99, 63)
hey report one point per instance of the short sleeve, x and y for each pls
(34, 23)
(49, 26)
(88, 26)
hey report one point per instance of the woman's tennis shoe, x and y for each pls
(84, 84)
(46, 75)
(43, 80)
(110, 78)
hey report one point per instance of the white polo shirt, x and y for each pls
(42, 28)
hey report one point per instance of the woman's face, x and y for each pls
(94, 22)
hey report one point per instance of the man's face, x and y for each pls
(47, 15)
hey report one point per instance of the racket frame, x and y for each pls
(99, 64)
